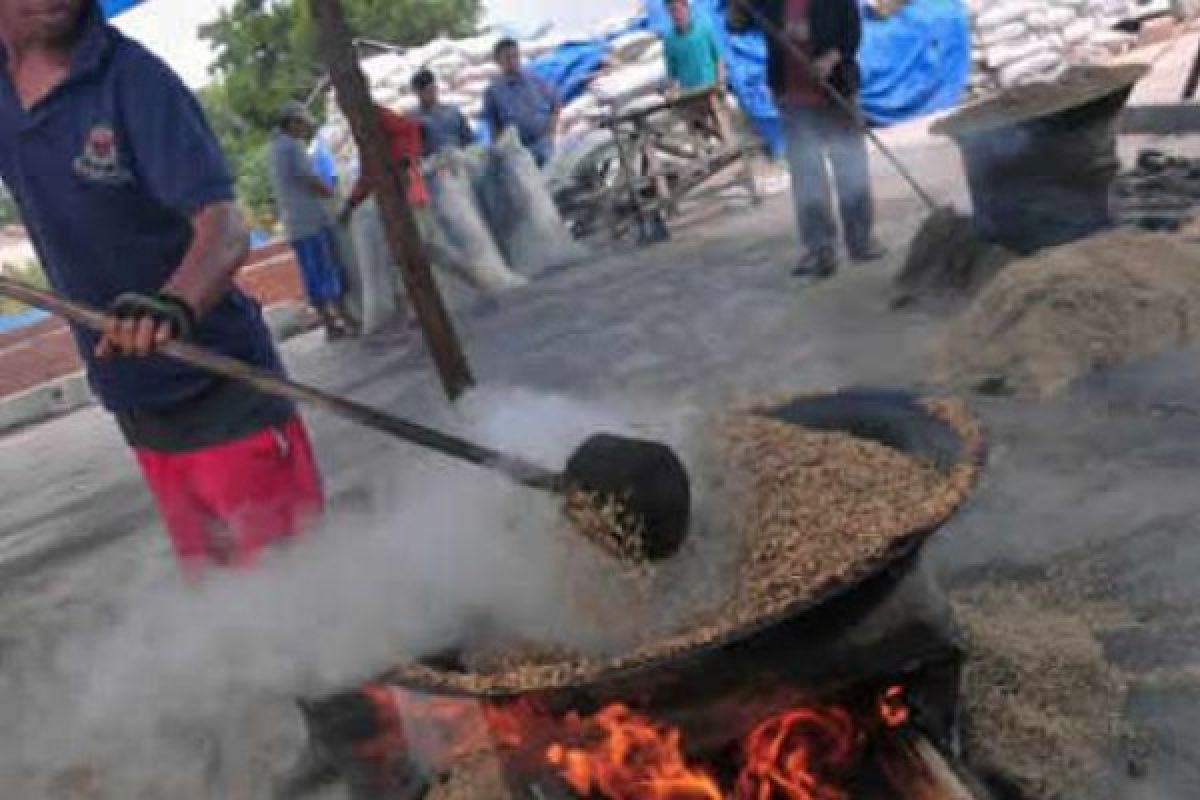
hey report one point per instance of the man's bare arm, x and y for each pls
(219, 248)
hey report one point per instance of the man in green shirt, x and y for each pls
(693, 57)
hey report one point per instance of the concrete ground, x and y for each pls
(1102, 478)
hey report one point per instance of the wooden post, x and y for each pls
(400, 226)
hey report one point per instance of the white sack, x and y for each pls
(466, 249)
(1003, 13)
(521, 212)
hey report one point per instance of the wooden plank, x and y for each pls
(389, 183)
(916, 770)
(697, 97)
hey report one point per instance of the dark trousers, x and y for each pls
(815, 136)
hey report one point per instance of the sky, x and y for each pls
(168, 27)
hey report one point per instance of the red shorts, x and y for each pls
(225, 504)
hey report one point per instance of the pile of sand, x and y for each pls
(948, 259)
(1095, 303)
(1044, 707)
(476, 777)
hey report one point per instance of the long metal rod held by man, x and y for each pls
(527, 473)
(772, 30)
(646, 477)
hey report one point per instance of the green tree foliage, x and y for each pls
(244, 144)
(9, 213)
(266, 55)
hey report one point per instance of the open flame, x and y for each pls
(804, 752)
(621, 755)
(798, 755)
(893, 707)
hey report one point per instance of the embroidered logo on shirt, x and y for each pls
(100, 161)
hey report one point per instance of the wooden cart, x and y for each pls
(661, 157)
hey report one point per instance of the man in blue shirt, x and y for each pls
(521, 100)
(442, 125)
(691, 51)
(130, 207)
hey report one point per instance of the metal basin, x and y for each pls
(1040, 160)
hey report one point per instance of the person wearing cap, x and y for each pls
(521, 100)
(300, 197)
(130, 207)
(442, 125)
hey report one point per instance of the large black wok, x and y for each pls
(894, 418)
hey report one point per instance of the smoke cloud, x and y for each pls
(189, 689)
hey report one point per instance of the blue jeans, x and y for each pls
(815, 135)
(542, 150)
(319, 267)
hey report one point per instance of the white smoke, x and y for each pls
(182, 672)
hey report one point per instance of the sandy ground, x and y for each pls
(1102, 478)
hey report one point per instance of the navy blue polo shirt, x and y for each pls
(107, 170)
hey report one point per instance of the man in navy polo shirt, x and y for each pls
(130, 207)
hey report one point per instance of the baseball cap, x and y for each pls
(295, 110)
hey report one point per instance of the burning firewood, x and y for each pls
(918, 771)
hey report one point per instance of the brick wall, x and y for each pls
(272, 277)
(39, 353)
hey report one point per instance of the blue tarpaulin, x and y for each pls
(11, 322)
(571, 67)
(915, 62)
(114, 7)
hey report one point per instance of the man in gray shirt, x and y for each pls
(300, 199)
(442, 125)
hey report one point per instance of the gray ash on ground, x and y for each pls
(1161, 193)
(1045, 708)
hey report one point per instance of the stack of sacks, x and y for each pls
(634, 69)
(1018, 42)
